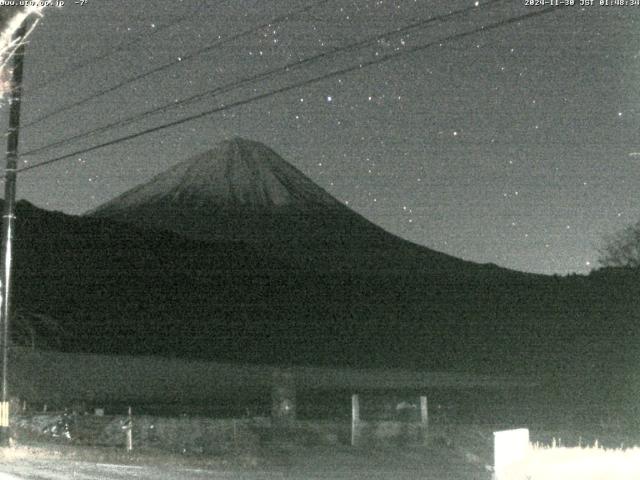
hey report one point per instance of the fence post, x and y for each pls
(235, 434)
(129, 430)
(283, 398)
(424, 417)
(355, 419)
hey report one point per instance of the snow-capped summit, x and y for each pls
(237, 174)
(239, 190)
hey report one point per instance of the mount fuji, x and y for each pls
(243, 191)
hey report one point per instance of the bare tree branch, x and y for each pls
(621, 249)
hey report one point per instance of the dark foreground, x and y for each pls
(290, 462)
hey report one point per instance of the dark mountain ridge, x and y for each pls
(124, 280)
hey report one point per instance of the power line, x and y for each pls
(180, 60)
(343, 71)
(283, 69)
(111, 51)
(296, 85)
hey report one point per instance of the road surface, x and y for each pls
(307, 464)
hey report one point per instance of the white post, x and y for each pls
(355, 418)
(424, 416)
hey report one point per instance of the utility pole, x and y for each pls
(15, 97)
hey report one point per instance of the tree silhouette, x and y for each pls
(7, 12)
(11, 20)
(622, 249)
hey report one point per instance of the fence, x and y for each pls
(180, 434)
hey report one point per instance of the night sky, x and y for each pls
(517, 145)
